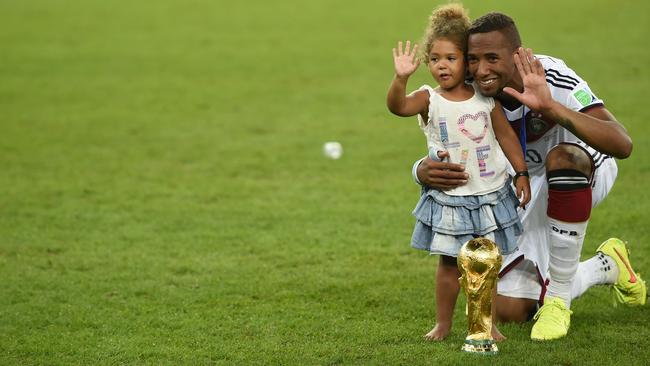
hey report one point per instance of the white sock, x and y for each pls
(600, 269)
(565, 245)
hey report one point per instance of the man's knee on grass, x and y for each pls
(514, 310)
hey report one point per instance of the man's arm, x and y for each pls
(440, 175)
(597, 126)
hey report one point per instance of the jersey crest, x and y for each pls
(536, 125)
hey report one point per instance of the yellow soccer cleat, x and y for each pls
(629, 288)
(553, 320)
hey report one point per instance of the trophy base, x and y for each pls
(483, 347)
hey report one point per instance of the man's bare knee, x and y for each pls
(568, 156)
(511, 309)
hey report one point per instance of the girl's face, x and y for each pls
(447, 64)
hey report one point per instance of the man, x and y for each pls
(568, 138)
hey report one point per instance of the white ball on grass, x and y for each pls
(333, 150)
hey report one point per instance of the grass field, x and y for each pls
(165, 201)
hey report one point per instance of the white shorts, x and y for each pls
(524, 278)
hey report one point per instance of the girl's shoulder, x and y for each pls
(434, 93)
(428, 88)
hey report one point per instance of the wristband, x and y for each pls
(523, 173)
(433, 154)
(414, 171)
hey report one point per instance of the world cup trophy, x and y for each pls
(479, 262)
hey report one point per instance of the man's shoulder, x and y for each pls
(550, 61)
(559, 76)
(566, 86)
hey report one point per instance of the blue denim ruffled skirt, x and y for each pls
(445, 223)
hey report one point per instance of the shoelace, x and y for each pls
(549, 308)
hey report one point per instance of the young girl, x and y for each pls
(461, 126)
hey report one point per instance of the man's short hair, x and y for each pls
(496, 22)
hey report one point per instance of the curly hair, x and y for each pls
(449, 22)
(491, 22)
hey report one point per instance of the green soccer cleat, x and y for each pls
(553, 320)
(629, 288)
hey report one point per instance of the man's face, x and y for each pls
(490, 57)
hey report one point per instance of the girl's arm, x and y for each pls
(406, 105)
(511, 147)
(398, 102)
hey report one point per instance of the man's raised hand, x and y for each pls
(406, 60)
(536, 95)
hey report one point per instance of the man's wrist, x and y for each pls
(414, 171)
(552, 111)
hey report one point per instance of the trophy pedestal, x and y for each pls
(484, 347)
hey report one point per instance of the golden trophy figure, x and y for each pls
(479, 262)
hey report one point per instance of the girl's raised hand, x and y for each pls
(406, 61)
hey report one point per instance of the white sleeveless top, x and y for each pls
(464, 129)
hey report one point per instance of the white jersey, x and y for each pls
(542, 133)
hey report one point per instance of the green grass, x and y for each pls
(165, 200)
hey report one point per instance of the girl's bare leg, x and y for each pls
(447, 288)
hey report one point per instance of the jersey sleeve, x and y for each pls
(567, 87)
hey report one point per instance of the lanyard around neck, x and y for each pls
(522, 129)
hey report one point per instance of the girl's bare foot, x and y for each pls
(496, 335)
(439, 332)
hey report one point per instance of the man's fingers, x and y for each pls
(454, 174)
(453, 169)
(525, 60)
(445, 184)
(448, 176)
(399, 48)
(539, 69)
(407, 50)
(437, 167)
(519, 66)
(442, 175)
(535, 65)
(530, 57)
